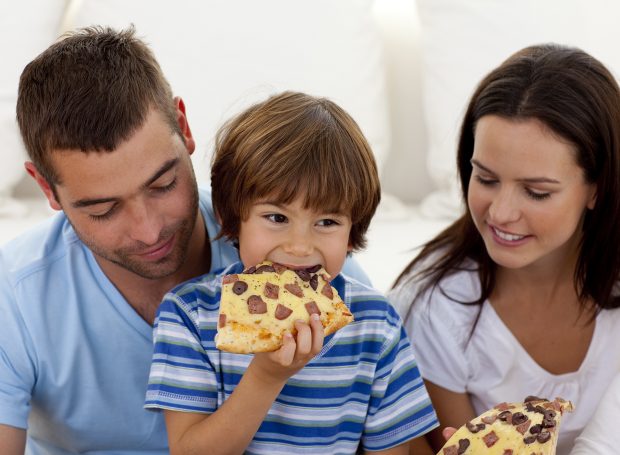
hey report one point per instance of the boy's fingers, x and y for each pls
(304, 338)
(448, 432)
(286, 353)
(318, 333)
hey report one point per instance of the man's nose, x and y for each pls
(143, 223)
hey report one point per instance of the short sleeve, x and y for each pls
(17, 359)
(438, 329)
(600, 435)
(182, 376)
(400, 408)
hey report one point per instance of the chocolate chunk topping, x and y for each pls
(533, 398)
(327, 291)
(314, 268)
(474, 428)
(222, 320)
(549, 414)
(303, 274)
(529, 439)
(312, 307)
(282, 312)
(265, 268)
(250, 271)
(518, 418)
(504, 415)
(548, 423)
(522, 428)
(294, 289)
(229, 279)
(279, 268)
(256, 305)
(239, 287)
(490, 439)
(314, 282)
(463, 445)
(543, 436)
(536, 428)
(507, 452)
(271, 290)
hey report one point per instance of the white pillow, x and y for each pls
(220, 56)
(464, 40)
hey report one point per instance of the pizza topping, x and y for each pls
(312, 307)
(522, 428)
(543, 436)
(229, 279)
(282, 312)
(240, 287)
(503, 406)
(536, 428)
(222, 320)
(303, 274)
(256, 305)
(529, 439)
(518, 418)
(533, 398)
(507, 452)
(279, 268)
(250, 270)
(504, 416)
(489, 419)
(327, 291)
(474, 428)
(294, 289)
(315, 268)
(265, 268)
(452, 450)
(463, 445)
(314, 282)
(271, 290)
(490, 439)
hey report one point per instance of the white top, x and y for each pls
(601, 435)
(491, 365)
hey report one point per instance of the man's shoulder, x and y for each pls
(39, 246)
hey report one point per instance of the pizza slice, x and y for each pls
(528, 428)
(259, 305)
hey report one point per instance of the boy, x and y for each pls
(294, 181)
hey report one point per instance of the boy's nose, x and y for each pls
(299, 244)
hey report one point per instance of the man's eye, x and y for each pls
(276, 218)
(105, 216)
(166, 188)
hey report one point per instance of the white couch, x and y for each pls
(403, 68)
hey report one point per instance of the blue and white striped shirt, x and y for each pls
(363, 386)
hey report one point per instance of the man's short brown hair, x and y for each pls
(89, 91)
(294, 145)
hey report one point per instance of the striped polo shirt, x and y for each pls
(363, 389)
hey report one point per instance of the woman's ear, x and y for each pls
(592, 199)
(45, 186)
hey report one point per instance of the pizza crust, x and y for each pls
(528, 428)
(259, 305)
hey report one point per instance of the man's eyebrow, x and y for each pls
(161, 171)
(526, 180)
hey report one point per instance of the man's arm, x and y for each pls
(12, 440)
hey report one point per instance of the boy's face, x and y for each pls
(294, 236)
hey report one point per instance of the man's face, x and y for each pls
(135, 207)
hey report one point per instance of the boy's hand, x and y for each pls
(294, 354)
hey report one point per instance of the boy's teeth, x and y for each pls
(508, 237)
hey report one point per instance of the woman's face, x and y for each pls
(527, 195)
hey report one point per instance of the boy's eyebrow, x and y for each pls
(81, 203)
(527, 180)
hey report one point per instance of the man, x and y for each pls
(110, 148)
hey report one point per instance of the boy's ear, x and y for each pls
(190, 143)
(31, 169)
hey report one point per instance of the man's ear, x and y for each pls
(190, 143)
(43, 184)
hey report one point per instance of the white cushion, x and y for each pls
(220, 56)
(464, 40)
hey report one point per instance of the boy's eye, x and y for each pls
(327, 222)
(276, 218)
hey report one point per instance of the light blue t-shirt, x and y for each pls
(74, 356)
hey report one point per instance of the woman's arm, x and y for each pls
(453, 410)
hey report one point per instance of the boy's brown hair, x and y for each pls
(294, 145)
(89, 91)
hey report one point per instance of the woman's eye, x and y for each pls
(536, 195)
(485, 181)
(276, 218)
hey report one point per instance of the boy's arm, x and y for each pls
(12, 440)
(230, 428)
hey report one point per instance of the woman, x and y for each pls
(516, 297)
